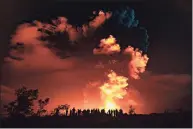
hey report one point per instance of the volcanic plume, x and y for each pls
(60, 58)
(115, 87)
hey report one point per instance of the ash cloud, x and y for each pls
(127, 29)
(126, 17)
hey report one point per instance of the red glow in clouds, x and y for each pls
(65, 80)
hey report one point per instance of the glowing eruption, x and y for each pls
(108, 46)
(138, 62)
(113, 89)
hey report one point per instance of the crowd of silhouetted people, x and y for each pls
(90, 112)
(100, 118)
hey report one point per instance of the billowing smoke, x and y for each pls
(107, 46)
(138, 62)
(33, 51)
(31, 56)
(115, 87)
(127, 24)
(95, 23)
(26, 34)
(126, 17)
(75, 33)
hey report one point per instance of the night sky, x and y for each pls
(168, 24)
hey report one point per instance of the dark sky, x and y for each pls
(169, 26)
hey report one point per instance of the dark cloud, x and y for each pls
(165, 91)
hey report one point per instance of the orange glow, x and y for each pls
(138, 62)
(113, 89)
(108, 46)
(100, 19)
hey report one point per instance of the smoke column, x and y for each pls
(115, 87)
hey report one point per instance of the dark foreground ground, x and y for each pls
(180, 120)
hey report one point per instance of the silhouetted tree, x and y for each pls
(42, 104)
(131, 110)
(56, 111)
(23, 103)
(11, 108)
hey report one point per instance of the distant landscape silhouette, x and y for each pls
(21, 114)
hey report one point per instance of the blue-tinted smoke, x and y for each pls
(126, 17)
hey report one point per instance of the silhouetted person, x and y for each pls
(73, 111)
(57, 112)
(79, 112)
(120, 112)
(166, 111)
(98, 111)
(131, 110)
(84, 112)
(66, 112)
(70, 112)
(111, 112)
(103, 112)
(87, 112)
(116, 112)
(92, 111)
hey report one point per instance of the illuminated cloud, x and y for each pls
(107, 46)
